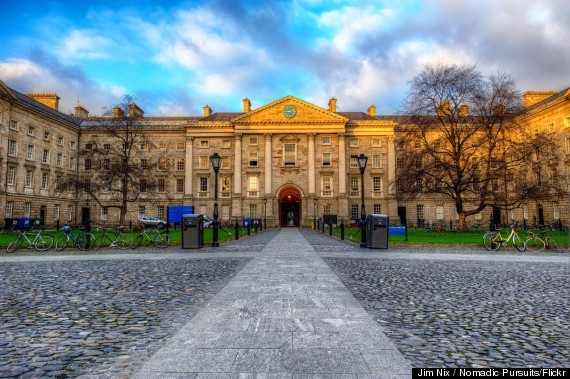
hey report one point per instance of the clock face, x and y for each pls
(289, 111)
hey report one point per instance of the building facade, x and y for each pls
(288, 162)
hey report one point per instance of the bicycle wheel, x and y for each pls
(488, 239)
(496, 242)
(162, 240)
(85, 241)
(61, 242)
(99, 242)
(137, 241)
(534, 244)
(43, 243)
(519, 242)
(124, 241)
(554, 245)
(15, 244)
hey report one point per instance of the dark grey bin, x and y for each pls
(192, 231)
(377, 231)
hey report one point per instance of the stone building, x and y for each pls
(287, 159)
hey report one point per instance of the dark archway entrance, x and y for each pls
(289, 207)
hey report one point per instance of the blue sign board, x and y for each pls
(175, 212)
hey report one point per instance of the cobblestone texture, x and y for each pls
(100, 318)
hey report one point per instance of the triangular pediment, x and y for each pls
(5, 91)
(290, 111)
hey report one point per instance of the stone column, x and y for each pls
(268, 164)
(237, 165)
(311, 164)
(391, 166)
(341, 165)
(188, 164)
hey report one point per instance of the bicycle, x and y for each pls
(39, 242)
(550, 243)
(113, 238)
(83, 240)
(159, 239)
(494, 240)
(534, 243)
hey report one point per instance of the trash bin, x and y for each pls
(192, 231)
(377, 231)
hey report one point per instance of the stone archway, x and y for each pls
(289, 206)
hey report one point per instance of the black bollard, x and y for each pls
(236, 227)
(255, 228)
(342, 230)
(330, 229)
(248, 229)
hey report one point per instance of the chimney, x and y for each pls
(246, 105)
(81, 112)
(464, 110)
(49, 99)
(534, 97)
(444, 109)
(118, 112)
(207, 111)
(372, 110)
(332, 105)
(135, 110)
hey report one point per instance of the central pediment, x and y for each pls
(290, 113)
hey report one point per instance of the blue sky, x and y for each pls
(174, 57)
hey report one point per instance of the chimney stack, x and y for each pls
(135, 110)
(464, 110)
(48, 99)
(246, 105)
(207, 111)
(332, 105)
(81, 112)
(372, 110)
(118, 112)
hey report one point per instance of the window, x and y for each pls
(354, 186)
(59, 160)
(104, 214)
(12, 148)
(70, 212)
(14, 125)
(72, 163)
(204, 161)
(88, 146)
(27, 209)
(556, 211)
(354, 211)
(226, 163)
(253, 141)
(9, 209)
(567, 121)
(439, 212)
(353, 142)
(420, 211)
(252, 161)
(326, 159)
(353, 161)
(107, 146)
(253, 210)
(226, 186)
(204, 144)
(45, 178)
(419, 185)
(179, 185)
(72, 145)
(60, 141)
(162, 146)
(29, 178)
(326, 181)
(160, 211)
(376, 161)
(253, 185)
(142, 185)
(203, 184)
(141, 211)
(162, 164)
(376, 142)
(47, 136)
(226, 144)
(377, 209)
(161, 185)
(180, 165)
(567, 145)
(377, 183)
(326, 140)
(180, 146)
(144, 146)
(30, 153)
(327, 209)
(31, 130)
(11, 176)
(290, 154)
(106, 164)
(87, 164)
(143, 164)
(551, 127)
(58, 183)
(56, 210)
(225, 212)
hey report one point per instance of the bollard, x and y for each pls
(236, 226)
(342, 230)
(56, 224)
(323, 227)
(255, 228)
(248, 229)
(330, 229)
(260, 226)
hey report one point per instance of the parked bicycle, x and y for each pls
(159, 239)
(41, 242)
(534, 243)
(494, 240)
(112, 237)
(83, 240)
(550, 243)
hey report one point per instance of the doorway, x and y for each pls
(289, 207)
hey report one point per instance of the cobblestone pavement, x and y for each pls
(458, 313)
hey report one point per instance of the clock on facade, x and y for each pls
(289, 111)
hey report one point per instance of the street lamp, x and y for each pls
(265, 212)
(216, 161)
(362, 160)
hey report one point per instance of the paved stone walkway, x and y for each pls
(285, 315)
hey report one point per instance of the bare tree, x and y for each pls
(460, 139)
(121, 163)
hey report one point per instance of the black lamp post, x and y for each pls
(216, 161)
(265, 212)
(362, 160)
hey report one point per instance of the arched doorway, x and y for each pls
(289, 207)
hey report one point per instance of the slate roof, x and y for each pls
(44, 109)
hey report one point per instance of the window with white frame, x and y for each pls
(30, 152)
(226, 162)
(326, 159)
(162, 146)
(180, 146)
(45, 156)
(326, 182)
(439, 212)
(14, 125)
(72, 163)
(203, 161)
(9, 209)
(31, 130)
(105, 214)
(143, 164)
(60, 141)
(326, 140)
(107, 146)
(377, 161)
(58, 183)
(252, 159)
(106, 164)
(70, 212)
(354, 180)
(141, 211)
(377, 208)
(47, 136)
(556, 211)
(87, 164)
(45, 180)
(160, 212)
(12, 148)
(27, 209)
(226, 186)
(11, 176)
(179, 185)
(56, 211)
(180, 165)
(327, 209)
(420, 211)
(377, 183)
(29, 178)
(203, 184)
(204, 144)
(162, 162)
(353, 142)
(290, 154)
(226, 144)
(253, 185)
(144, 146)
(253, 210)
(161, 185)
(376, 142)
(353, 161)
(72, 145)
(354, 211)
(253, 141)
